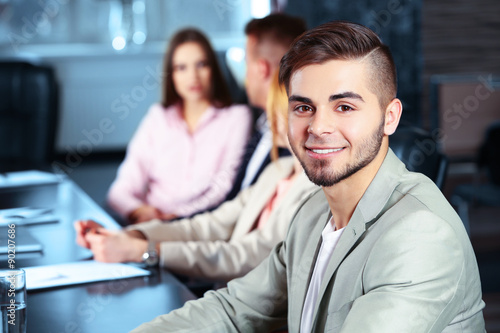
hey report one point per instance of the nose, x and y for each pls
(193, 72)
(196, 73)
(321, 123)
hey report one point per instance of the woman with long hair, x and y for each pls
(185, 154)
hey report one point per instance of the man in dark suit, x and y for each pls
(268, 39)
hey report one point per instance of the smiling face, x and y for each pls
(191, 72)
(336, 125)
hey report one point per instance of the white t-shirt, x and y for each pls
(330, 238)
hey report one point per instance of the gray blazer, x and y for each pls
(404, 263)
(223, 244)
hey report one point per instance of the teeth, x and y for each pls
(325, 151)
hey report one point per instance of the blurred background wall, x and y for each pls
(107, 53)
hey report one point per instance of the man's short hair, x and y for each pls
(340, 40)
(276, 29)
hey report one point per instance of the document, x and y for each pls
(78, 272)
(28, 178)
(27, 216)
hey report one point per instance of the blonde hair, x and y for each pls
(276, 106)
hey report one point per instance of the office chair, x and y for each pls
(419, 151)
(28, 116)
(238, 94)
(487, 192)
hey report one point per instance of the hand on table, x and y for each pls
(167, 216)
(147, 213)
(109, 246)
(82, 227)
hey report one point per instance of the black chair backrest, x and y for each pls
(238, 95)
(489, 153)
(420, 153)
(28, 115)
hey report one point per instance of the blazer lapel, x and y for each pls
(297, 190)
(371, 204)
(309, 253)
(262, 192)
(353, 231)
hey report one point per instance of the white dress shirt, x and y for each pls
(260, 153)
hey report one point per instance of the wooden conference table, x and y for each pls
(109, 306)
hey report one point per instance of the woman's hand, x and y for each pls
(115, 246)
(147, 213)
(144, 213)
(168, 216)
(82, 227)
(110, 246)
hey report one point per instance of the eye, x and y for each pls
(202, 64)
(303, 108)
(344, 108)
(179, 67)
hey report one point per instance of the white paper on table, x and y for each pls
(26, 216)
(78, 272)
(30, 177)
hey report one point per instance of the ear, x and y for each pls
(264, 68)
(392, 116)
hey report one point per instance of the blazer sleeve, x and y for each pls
(414, 279)
(128, 190)
(223, 260)
(255, 303)
(210, 226)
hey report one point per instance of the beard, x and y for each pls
(319, 172)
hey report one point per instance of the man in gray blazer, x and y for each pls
(379, 249)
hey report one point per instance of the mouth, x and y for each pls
(323, 152)
(195, 88)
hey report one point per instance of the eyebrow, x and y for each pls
(296, 98)
(347, 94)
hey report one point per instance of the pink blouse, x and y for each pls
(177, 171)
